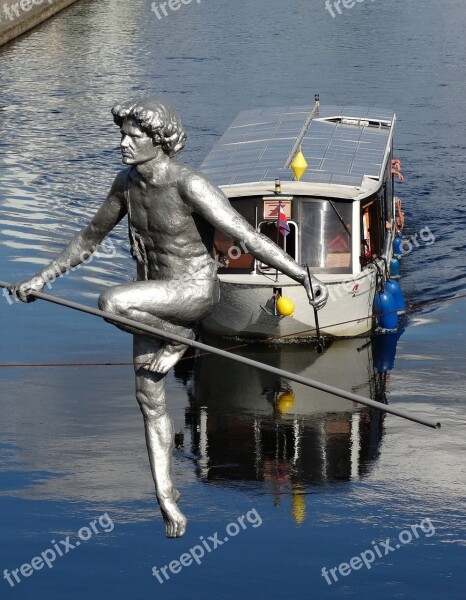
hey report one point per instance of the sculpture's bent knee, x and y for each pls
(108, 302)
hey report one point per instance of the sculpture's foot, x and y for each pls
(166, 357)
(175, 521)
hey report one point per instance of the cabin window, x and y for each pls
(373, 228)
(231, 255)
(326, 235)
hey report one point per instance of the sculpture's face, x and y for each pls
(136, 146)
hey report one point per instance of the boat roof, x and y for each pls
(342, 145)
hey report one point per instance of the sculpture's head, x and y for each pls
(148, 124)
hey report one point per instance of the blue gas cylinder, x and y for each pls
(394, 267)
(385, 311)
(397, 251)
(398, 299)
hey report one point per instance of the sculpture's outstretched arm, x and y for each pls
(82, 246)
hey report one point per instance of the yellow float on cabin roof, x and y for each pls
(299, 165)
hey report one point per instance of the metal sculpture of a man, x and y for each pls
(172, 213)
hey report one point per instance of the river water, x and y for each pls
(319, 481)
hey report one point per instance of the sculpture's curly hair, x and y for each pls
(158, 119)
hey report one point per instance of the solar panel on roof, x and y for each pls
(255, 147)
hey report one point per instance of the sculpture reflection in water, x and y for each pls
(249, 425)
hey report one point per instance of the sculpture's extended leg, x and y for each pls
(171, 308)
(150, 393)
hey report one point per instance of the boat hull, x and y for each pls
(246, 308)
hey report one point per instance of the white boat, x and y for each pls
(341, 216)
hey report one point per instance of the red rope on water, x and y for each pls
(103, 364)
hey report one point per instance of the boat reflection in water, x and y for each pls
(250, 425)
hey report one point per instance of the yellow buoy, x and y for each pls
(285, 306)
(299, 165)
(285, 402)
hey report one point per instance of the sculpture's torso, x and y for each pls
(177, 242)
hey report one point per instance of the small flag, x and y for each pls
(299, 165)
(283, 226)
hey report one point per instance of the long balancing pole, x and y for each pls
(241, 359)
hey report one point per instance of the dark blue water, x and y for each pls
(319, 482)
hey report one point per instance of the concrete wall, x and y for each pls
(18, 16)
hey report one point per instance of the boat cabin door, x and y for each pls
(288, 243)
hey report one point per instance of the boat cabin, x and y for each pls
(337, 214)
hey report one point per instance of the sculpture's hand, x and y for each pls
(22, 290)
(320, 297)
